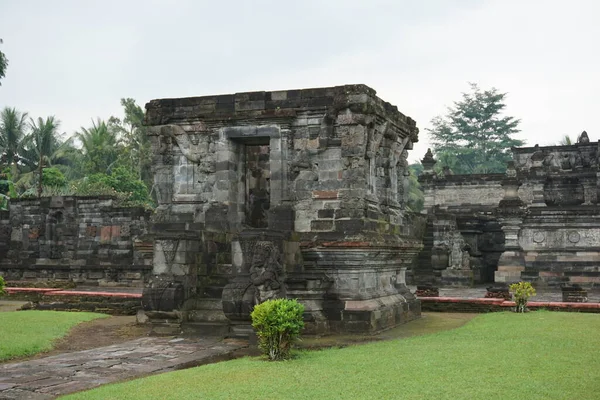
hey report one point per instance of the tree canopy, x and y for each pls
(110, 157)
(474, 137)
(3, 64)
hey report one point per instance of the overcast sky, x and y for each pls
(76, 59)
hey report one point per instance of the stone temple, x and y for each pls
(298, 194)
(539, 222)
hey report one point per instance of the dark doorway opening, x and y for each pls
(258, 179)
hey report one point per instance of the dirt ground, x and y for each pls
(98, 333)
(118, 329)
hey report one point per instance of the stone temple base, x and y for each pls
(375, 315)
(457, 278)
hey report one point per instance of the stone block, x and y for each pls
(325, 194)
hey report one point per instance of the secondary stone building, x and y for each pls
(295, 193)
(539, 222)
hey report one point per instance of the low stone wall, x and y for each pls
(85, 240)
(451, 304)
(69, 300)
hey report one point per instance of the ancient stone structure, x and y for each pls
(84, 240)
(539, 222)
(297, 193)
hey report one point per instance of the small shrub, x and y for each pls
(278, 324)
(2, 284)
(522, 291)
(53, 177)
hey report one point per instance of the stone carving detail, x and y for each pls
(574, 237)
(125, 230)
(162, 294)
(459, 253)
(169, 248)
(539, 237)
(583, 138)
(263, 281)
(264, 272)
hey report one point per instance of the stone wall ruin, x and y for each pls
(87, 241)
(297, 193)
(540, 222)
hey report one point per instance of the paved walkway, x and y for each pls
(49, 377)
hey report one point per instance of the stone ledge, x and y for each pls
(61, 292)
(455, 304)
(94, 294)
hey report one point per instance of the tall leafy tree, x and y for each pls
(474, 136)
(44, 140)
(135, 139)
(100, 144)
(13, 128)
(416, 198)
(3, 64)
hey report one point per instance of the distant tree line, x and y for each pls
(108, 157)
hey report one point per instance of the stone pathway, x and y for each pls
(49, 377)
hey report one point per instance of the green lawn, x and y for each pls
(539, 355)
(24, 333)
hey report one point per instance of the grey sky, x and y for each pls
(76, 59)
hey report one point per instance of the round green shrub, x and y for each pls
(522, 291)
(53, 177)
(278, 324)
(2, 284)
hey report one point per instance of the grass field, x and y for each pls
(539, 355)
(25, 333)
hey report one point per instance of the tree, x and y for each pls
(566, 141)
(416, 199)
(474, 137)
(3, 64)
(60, 155)
(43, 137)
(13, 127)
(100, 147)
(123, 181)
(53, 177)
(136, 147)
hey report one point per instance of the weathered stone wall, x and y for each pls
(86, 240)
(325, 204)
(553, 218)
(562, 247)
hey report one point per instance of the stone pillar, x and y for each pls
(511, 211)
(425, 179)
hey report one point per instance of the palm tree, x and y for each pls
(44, 140)
(13, 128)
(566, 141)
(99, 146)
(3, 63)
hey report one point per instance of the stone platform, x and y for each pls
(114, 301)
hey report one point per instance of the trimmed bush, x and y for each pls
(278, 324)
(522, 291)
(2, 284)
